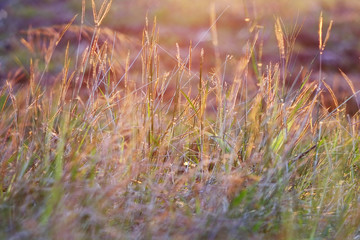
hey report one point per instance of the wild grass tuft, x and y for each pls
(146, 152)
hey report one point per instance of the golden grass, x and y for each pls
(103, 153)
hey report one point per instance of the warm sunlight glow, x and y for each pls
(179, 119)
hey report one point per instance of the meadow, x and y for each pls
(179, 120)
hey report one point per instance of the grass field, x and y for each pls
(222, 120)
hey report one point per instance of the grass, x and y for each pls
(140, 151)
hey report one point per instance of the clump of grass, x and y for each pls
(88, 157)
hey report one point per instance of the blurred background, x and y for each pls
(182, 21)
